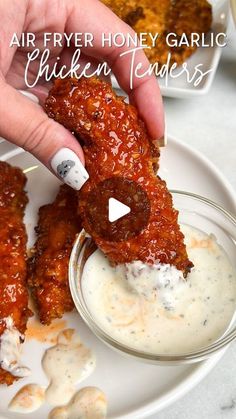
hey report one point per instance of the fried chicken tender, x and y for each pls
(163, 17)
(13, 268)
(116, 144)
(48, 268)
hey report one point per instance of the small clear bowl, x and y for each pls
(195, 211)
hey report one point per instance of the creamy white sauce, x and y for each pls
(28, 399)
(10, 343)
(66, 364)
(88, 403)
(157, 310)
(159, 279)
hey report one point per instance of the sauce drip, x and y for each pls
(10, 342)
(28, 399)
(88, 403)
(65, 364)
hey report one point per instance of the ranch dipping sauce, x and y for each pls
(10, 346)
(87, 403)
(153, 308)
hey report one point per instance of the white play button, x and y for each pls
(116, 209)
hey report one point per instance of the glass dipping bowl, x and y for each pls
(195, 211)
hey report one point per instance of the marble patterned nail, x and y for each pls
(67, 165)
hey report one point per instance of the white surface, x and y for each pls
(183, 85)
(116, 209)
(134, 389)
(209, 124)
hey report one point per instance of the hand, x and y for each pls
(25, 123)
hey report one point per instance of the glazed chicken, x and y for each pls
(163, 17)
(48, 268)
(13, 292)
(116, 145)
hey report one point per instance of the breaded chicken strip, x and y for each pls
(48, 268)
(163, 17)
(116, 144)
(14, 310)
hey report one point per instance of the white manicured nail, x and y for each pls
(67, 165)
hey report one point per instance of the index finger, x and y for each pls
(93, 16)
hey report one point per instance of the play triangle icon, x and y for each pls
(116, 209)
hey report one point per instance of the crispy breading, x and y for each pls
(163, 17)
(13, 239)
(116, 143)
(48, 268)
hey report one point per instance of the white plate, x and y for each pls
(134, 389)
(208, 57)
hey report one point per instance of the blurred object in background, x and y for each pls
(233, 10)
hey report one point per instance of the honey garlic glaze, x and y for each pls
(153, 308)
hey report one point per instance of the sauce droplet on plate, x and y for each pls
(28, 399)
(88, 403)
(44, 333)
(65, 364)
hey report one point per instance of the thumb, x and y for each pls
(25, 124)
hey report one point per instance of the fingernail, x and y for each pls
(67, 165)
(162, 142)
(31, 96)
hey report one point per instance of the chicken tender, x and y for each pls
(48, 268)
(116, 144)
(13, 267)
(163, 17)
